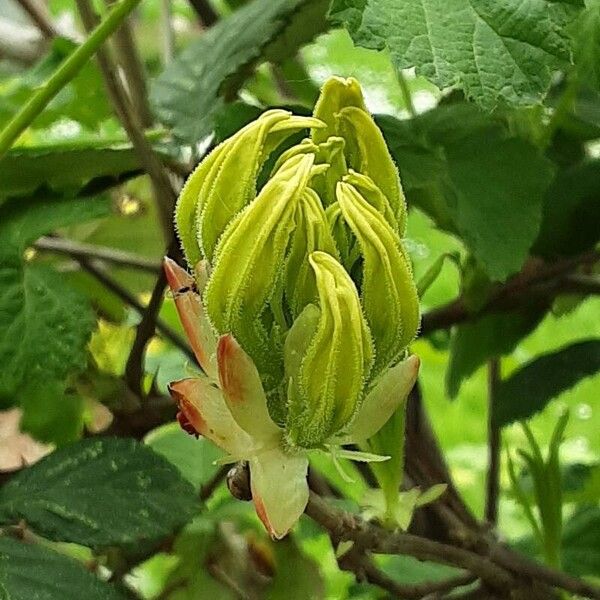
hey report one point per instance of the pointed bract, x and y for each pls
(243, 390)
(381, 402)
(279, 489)
(204, 407)
(193, 317)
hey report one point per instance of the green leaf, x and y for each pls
(491, 336)
(458, 166)
(581, 542)
(291, 565)
(21, 223)
(65, 168)
(195, 458)
(529, 389)
(44, 327)
(44, 324)
(586, 44)
(29, 571)
(79, 100)
(51, 413)
(192, 90)
(502, 52)
(571, 212)
(100, 492)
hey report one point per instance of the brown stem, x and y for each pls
(109, 283)
(134, 369)
(205, 12)
(162, 189)
(531, 287)
(365, 570)
(346, 526)
(75, 249)
(129, 58)
(40, 16)
(492, 485)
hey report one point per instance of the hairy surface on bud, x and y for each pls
(211, 197)
(368, 154)
(389, 293)
(325, 385)
(307, 274)
(312, 233)
(248, 260)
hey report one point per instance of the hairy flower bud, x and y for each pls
(211, 197)
(248, 260)
(389, 293)
(327, 373)
(304, 302)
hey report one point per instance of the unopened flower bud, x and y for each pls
(331, 358)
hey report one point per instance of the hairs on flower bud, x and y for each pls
(336, 94)
(388, 291)
(312, 233)
(248, 260)
(325, 387)
(211, 197)
(367, 153)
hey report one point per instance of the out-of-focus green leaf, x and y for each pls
(100, 492)
(192, 89)
(458, 165)
(51, 413)
(529, 389)
(195, 458)
(292, 566)
(571, 212)
(44, 328)
(581, 483)
(29, 571)
(586, 44)
(65, 168)
(502, 52)
(21, 223)
(581, 542)
(490, 336)
(82, 100)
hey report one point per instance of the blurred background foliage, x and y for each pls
(467, 175)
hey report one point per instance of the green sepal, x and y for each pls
(389, 293)
(326, 392)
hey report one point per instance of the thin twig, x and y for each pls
(492, 484)
(366, 570)
(40, 16)
(538, 288)
(110, 255)
(501, 568)
(349, 527)
(134, 368)
(162, 189)
(109, 283)
(133, 67)
(205, 12)
(168, 34)
(208, 489)
(518, 563)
